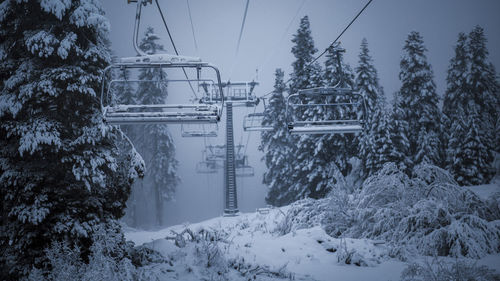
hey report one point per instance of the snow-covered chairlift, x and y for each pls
(341, 110)
(199, 130)
(335, 103)
(253, 121)
(215, 152)
(118, 114)
(236, 93)
(242, 169)
(206, 167)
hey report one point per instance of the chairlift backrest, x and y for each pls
(342, 111)
(199, 130)
(236, 93)
(117, 113)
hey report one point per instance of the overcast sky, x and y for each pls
(265, 45)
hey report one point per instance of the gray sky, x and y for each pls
(385, 24)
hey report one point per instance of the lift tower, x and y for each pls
(236, 94)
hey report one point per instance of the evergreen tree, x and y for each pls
(484, 90)
(62, 176)
(419, 102)
(469, 153)
(379, 143)
(308, 167)
(154, 142)
(472, 88)
(399, 131)
(456, 95)
(277, 147)
(367, 84)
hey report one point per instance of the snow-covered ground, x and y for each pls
(486, 190)
(307, 254)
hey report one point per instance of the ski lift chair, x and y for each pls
(253, 121)
(343, 111)
(119, 114)
(199, 130)
(116, 113)
(236, 93)
(206, 167)
(242, 169)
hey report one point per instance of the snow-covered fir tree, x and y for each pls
(308, 172)
(485, 90)
(367, 84)
(472, 89)
(378, 147)
(419, 102)
(399, 131)
(62, 175)
(154, 142)
(277, 147)
(456, 96)
(469, 153)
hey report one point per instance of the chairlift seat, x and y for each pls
(206, 167)
(236, 93)
(157, 113)
(198, 130)
(244, 171)
(334, 99)
(325, 129)
(159, 59)
(253, 122)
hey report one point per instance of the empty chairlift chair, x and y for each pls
(254, 121)
(206, 167)
(199, 130)
(116, 112)
(326, 110)
(338, 111)
(236, 93)
(242, 169)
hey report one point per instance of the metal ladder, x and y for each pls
(231, 206)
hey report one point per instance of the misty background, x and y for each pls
(265, 46)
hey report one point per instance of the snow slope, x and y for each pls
(486, 190)
(310, 254)
(305, 254)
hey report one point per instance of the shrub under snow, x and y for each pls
(427, 213)
(439, 270)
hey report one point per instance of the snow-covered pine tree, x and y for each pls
(332, 151)
(469, 153)
(484, 90)
(61, 173)
(277, 147)
(419, 102)
(399, 131)
(456, 96)
(154, 142)
(367, 84)
(378, 150)
(472, 88)
(309, 169)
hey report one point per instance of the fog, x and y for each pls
(266, 46)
